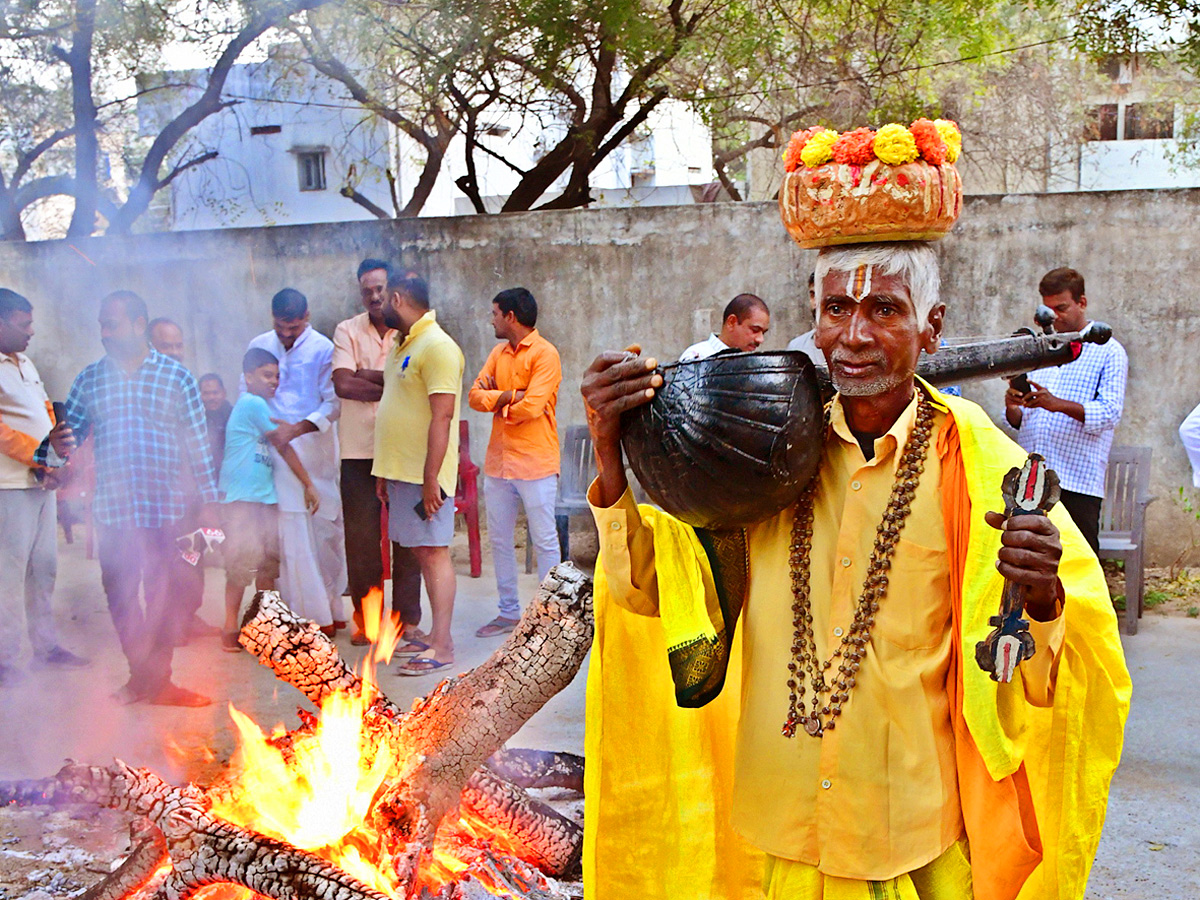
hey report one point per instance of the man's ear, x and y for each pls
(933, 332)
(1082, 301)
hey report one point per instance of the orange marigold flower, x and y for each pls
(929, 142)
(855, 148)
(791, 156)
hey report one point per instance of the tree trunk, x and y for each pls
(87, 147)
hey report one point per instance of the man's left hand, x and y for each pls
(1040, 398)
(1030, 550)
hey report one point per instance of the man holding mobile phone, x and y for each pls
(1069, 413)
(416, 453)
(28, 513)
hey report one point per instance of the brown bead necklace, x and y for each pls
(804, 664)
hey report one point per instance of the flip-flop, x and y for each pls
(498, 625)
(412, 648)
(421, 665)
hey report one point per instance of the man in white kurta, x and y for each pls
(312, 549)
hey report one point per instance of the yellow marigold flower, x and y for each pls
(952, 136)
(895, 145)
(819, 148)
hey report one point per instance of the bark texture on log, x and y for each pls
(138, 869)
(204, 850)
(539, 768)
(551, 841)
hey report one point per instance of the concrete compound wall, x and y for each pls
(658, 276)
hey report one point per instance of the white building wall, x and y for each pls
(255, 179)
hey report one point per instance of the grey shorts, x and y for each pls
(406, 528)
(251, 545)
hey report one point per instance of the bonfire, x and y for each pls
(363, 800)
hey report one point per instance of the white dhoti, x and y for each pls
(312, 547)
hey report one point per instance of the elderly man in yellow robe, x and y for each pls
(857, 751)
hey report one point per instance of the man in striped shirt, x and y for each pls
(1071, 412)
(145, 412)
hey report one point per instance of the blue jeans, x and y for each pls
(501, 496)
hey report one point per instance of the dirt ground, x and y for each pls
(1150, 848)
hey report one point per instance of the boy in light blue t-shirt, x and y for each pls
(249, 511)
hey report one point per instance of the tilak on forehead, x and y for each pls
(858, 284)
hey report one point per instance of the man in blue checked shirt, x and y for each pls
(1071, 412)
(144, 411)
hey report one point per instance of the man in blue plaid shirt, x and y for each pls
(1071, 412)
(144, 411)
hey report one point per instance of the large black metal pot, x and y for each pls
(729, 440)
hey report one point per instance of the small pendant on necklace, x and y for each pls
(813, 726)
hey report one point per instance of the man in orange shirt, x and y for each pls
(519, 386)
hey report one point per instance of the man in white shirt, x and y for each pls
(1189, 433)
(744, 326)
(312, 547)
(28, 518)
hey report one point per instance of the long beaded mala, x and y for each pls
(804, 663)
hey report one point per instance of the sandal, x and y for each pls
(498, 625)
(422, 665)
(412, 648)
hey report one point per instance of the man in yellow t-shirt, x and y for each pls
(873, 757)
(416, 451)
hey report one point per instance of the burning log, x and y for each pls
(204, 850)
(448, 735)
(431, 760)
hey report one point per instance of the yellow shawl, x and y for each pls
(659, 777)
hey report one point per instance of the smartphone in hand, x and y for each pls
(1020, 383)
(419, 508)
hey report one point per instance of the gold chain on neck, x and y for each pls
(804, 663)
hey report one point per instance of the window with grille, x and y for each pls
(312, 170)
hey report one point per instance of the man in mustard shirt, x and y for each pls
(873, 758)
(416, 451)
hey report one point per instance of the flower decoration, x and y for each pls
(855, 147)
(952, 136)
(819, 148)
(791, 156)
(929, 142)
(895, 145)
(935, 142)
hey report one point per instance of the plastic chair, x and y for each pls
(1123, 522)
(466, 497)
(578, 468)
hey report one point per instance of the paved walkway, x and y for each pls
(1150, 849)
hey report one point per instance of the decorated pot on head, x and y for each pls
(733, 439)
(894, 184)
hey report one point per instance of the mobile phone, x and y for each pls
(1020, 383)
(419, 508)
(60, 411)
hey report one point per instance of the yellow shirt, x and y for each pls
(877, 796)
(425, 362)
(357, 344)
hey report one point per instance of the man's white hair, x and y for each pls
(915, 261)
